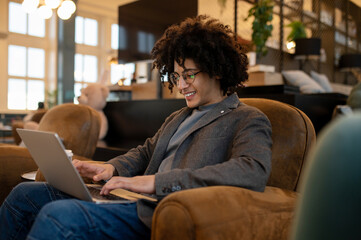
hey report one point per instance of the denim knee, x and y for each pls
(23, 192)
(21, 188)
(18, 211)
(62, 219)
(62, 215)
(61, 211)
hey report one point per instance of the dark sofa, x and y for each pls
(131, 122)
(318, 107)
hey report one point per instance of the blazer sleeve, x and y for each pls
(137, 159)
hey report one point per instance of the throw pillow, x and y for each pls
(322, 80)
(303, 81)
(354, 100)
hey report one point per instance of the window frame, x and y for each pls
(27, 41)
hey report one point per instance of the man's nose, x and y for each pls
(182, 83)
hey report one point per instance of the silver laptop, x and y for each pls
(49, 153)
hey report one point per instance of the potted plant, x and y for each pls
(304, 46)
(297, 31)
(262, 11)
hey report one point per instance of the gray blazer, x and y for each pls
(230, 145)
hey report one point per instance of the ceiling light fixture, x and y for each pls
(44, 8)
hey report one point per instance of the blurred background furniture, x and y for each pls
(77, 125)
(36, 117)
(329, 205)
(318, 107)
(3, 133)
(221, 212)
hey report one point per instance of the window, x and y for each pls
(86, 68)
(85, 71)
(118, 37)
(86, 58)
(24, 94)
(26, 63)
(23, 23)
(16, 94)
(26, 72)
(115, 36)
(86, 31)
(17, 61)
(122, 71)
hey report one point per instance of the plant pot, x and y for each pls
(308, 46)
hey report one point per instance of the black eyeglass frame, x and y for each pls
(188, 78)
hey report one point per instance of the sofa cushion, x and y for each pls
(354, 99)
(322, 80)
(303, 81)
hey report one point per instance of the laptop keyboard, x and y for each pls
(95, 192)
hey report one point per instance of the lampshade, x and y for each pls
(349, 61)
(308, 46)
(44, 8)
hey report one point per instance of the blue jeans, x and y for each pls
(39, 211)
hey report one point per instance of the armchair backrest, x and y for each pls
(77, 125)
(293, 135)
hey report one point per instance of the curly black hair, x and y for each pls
(210, 44)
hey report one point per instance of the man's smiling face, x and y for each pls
(201, 90)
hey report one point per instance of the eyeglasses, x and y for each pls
(188, 76)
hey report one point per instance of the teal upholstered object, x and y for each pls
(330, 204)
(354, 99)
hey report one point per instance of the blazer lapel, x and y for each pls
(164, 139)
(219, 110)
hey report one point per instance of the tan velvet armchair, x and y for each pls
(77, 125)
(222, 212)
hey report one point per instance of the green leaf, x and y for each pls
(297, 31)
(262, 11)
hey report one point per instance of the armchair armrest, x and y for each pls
(15, 125)
(223, 212)
(14, 161)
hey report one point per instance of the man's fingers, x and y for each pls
(101, 176)
(87, 169)
(115, 182)
(75, 161)
(141, 184)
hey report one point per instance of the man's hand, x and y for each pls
(139, 184)
(94, 171)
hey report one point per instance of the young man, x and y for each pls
(215, 140)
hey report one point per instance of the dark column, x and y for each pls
(282, 55)
(235, 17)
(66, 52)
